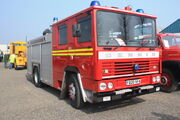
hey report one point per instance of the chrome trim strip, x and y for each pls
(117, 76)
(106, 77)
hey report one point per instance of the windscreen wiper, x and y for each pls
(143, 43)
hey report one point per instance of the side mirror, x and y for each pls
(8, 47)
(158, 41)
(76, 28)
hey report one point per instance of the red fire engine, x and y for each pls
(99, 54)
(171, 61)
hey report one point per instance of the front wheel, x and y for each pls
(168, 81)
(74, 91)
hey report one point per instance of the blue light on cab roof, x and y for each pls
(95, 3)
(140, 10)
(55, 19)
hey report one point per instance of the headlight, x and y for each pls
(154, 79)
(102, 86)
(158, 78)
(110, 85)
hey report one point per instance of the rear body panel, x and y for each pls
(39, 55)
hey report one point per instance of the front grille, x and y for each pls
(125, 68)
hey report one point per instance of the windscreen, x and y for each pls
(19, 44)
(171, 41)
(117, 29)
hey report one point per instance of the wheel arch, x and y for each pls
(67, 71)
(35, 66)
(173, 66)
(71, 69)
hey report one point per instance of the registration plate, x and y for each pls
(133, 82)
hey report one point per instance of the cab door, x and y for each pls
(83, 53)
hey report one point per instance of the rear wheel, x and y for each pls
(74, 91)
(15, 66)
(36, 78)
(168, 81)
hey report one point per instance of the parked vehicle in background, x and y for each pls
(4, 48)
(171, 61)
(19, 48)
(99, 54)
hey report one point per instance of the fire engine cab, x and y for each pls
(99, 54)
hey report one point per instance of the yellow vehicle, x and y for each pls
(19, 48)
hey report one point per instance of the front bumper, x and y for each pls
(125, 93)
(21, 66)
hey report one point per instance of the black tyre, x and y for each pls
(36, 78)
(74, 91)
(168, 81)
(15, 67)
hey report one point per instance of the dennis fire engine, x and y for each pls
(171, 61)
(99, 54)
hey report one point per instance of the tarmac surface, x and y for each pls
(21, 100)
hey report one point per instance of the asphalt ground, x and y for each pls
(21, 100)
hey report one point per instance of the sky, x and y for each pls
(21, 19)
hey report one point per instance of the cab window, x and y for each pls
(63, 34)
(85, 24)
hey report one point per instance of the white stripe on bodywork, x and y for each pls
(127, 55)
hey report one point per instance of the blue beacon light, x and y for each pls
(55, 19)
(95, 3)
(140, 10)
